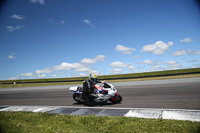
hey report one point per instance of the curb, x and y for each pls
(172, 114)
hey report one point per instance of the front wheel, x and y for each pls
(116, 99)
(76, 97)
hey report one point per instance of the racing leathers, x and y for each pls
(88, 86)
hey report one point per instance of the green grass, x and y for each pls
(182, 73)
(26, 122)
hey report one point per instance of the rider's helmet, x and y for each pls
(93, 78)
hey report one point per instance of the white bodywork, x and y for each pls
(101, 97)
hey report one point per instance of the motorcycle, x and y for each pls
(101, 94)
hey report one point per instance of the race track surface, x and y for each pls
(167, 94)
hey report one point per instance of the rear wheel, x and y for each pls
(76, 97)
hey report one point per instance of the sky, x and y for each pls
(73, 38)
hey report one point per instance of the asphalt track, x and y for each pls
(167, 94)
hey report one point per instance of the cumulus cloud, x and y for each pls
(50, 20)
(156, 68)
(83, 69)
(94, 60)
(67, 66)
(42, 2)
(183, 52)
(77, 67)
(88, 22)
(46, 70)
(119, 64)
(13, 78)
(196, 52)
(135, 57)
(61, 22)
(186, 40)
(54, 76)
(12, 56)
(115, 71)
(11, 28)
(173, 64)
(131, 67)
(124, 49)
(88, 61)
(150, 62)
(27, 75)
(192, 61)
(157, 48)
(41, 76)
(18, 17)
(83, 74)
(179, 53)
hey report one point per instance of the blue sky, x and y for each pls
(72, 38)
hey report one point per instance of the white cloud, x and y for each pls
(94, 60)
(12, 56)
(173, 64)
(83, 74)
(99, 58)
(54, 76)
(124, 49)
(135, 57)
(150, 62)
(192, 61)
(51, 20)
(183, 52)
(65, 66)
(179, 53)
(83, 69)
(115, 71)
(11, 28)
(119, 64)
(156, 68)
(61, 22)
(46, 70)
(88, 61)
(18, 17)
(196, 52)
(131, 67)
(157, 48)
(186, 40)
(38, 1)
(27, 75)
(13, 78)
(88, 22)
(41, 76)
(68, 66)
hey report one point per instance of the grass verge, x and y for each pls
(45, 122)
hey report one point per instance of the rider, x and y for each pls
(88, 86)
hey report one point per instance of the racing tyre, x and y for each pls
(76, 97)
(118, 98)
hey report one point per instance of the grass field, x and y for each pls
(26, 122)
(171, 74)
